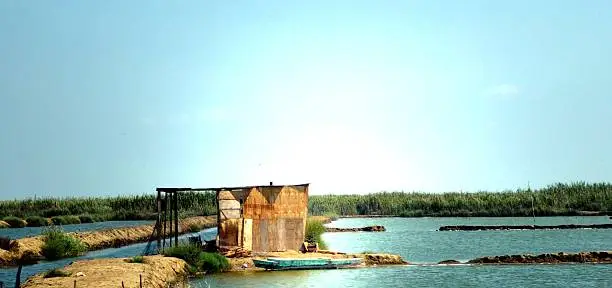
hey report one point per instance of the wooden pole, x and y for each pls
(18, 279)
(164, 219)
(176, 219)
(140, 280)
(170, 219)
(74, 286)
(159, 219)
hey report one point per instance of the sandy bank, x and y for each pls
(101, 239)
(4, 224)
(368, 259)
(156, 271)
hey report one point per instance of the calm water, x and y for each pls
(417, 240)
(16, 233)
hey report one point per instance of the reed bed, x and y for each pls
(554, 200)
(137, 207)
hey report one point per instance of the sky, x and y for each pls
(119, 97)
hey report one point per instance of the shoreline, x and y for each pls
(101, 239)
(594, 214)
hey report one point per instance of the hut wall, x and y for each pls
(279, 217)
(271, 218)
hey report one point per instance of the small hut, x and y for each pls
(262, 218)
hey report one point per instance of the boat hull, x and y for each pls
(305, 263)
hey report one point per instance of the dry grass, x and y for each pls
(156, 271)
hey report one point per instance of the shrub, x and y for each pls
(212, 262)
(36, 221)
(57, 273)
(195, 257)
(86, 219)
(58, 244)
(65, 220)
(314, 230)
(15, 222)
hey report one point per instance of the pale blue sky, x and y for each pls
(117, 97)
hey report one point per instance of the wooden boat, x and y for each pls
(305, 263)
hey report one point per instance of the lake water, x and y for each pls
(16, 233)
(417, 240)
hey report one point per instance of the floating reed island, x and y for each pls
(523, 227)
(375, 228)
(597, 257)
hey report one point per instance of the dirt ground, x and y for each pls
(156, 271)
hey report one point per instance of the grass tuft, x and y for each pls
(57, 273)
(136, 259)
(58, 245)
(199, 260)
(314, 230)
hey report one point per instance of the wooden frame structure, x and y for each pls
(274, 215)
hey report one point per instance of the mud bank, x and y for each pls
(524, 227)
(561, 257)
(95, 240)
(374, 259)
(156, 271)
(376, 228)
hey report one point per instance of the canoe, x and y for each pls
(304, 263)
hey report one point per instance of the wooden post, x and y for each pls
(74, 284)
(169, 205)
(140, 280)
(164, 219)
(176, 218)
(159, 219)
(122, 285)
(18, 279)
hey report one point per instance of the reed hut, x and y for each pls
(262, 218)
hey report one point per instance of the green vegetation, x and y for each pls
(58, 245)
(558, 199)
(198, 259)
(86, 219)
(65, 220)
(14, 222)
(57, 273)
(37, 221)
(140, 207)
(314, 230)
(554, 200)
(136, 259)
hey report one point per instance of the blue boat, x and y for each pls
(305, 263)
